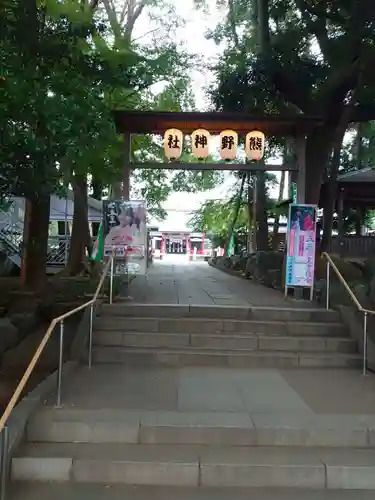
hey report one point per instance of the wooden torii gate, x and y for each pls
(156, 123)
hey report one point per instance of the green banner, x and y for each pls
(294, 192)
(97, 251)
(231, 246)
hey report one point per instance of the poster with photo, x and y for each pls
(301, 243)
(125, 230)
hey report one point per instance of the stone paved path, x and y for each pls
(176, 281)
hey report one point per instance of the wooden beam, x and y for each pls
(249, 167)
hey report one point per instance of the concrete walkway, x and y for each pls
(281, 393)
(55, 491)
(177, 281)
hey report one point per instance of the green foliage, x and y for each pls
(315, 54)
(157, 184)
(53, 98)
(359, 151)
(216, 216)
(62, 74)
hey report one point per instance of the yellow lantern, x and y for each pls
(254, 145)
(173, 142)
(228, 145)
(200, 143)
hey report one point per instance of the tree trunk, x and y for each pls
(318, 148)
(358, 147)
(116, 191)
(35, 237)
(236, 212)
(262, 8)
(330, 202)
(250, 200)
(358, 222)
(338, 138)
(97, 193)
(97, 189)
(80, 239)
(261, 211)
(275, 235)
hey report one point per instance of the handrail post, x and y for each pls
(111, 280)
(365, 343)
(4, 461)
(61, 356)
(327, 287)
(90, 333)
(29, 370)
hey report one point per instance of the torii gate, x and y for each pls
(157, 122)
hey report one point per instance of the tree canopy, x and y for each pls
(317, 54)
(62, 75)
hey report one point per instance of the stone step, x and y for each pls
(180, 465)
(204, 325)
(82, 491)
(201, 428)
(220, 312)
(190, 356)
(225, 341)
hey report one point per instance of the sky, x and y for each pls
(193, 36)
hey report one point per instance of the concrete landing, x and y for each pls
(177, 281)
(200, 389)
(36, 491)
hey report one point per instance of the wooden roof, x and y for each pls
(152, 122)
(362, 176)
(357, 188)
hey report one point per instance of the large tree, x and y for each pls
(65, 68)
(319, 53)
(52, 109)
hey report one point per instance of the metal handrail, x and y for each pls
(358, 305)
(20, 387)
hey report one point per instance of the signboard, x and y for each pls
(301, 242)
(125, 230)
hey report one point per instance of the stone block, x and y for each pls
(41, 468)
(261, 468)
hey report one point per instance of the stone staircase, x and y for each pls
(199, 454)
(223, 336)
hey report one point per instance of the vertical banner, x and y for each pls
(230, 250)
(97, 251)
(301, 243)
(294, 192)
(125, 230)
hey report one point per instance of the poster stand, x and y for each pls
(300, 248)
(125, 233)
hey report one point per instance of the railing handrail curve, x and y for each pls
(346, 286)
(361, 309)
(22, 383)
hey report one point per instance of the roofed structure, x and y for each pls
(355, 189)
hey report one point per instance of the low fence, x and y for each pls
(354, 247)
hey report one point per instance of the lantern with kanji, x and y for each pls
(254, 145)
(173, 142)
(228, 145)
(200, 142)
